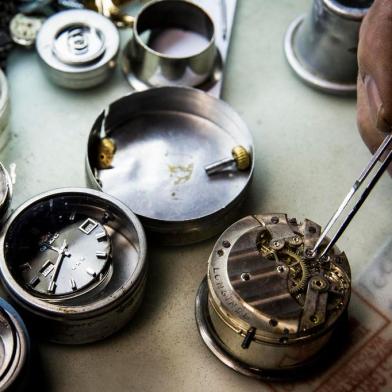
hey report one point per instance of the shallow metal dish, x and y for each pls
(163, 138)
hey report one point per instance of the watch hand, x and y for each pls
(62, 253)
(54, 248)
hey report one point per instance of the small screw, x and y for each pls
(220, 252)
(274, 220)
(309, 253)
(245, 276)
(226, 244)
(273, 323)
(293, 221)
(281, 269)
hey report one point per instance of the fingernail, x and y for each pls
(375, 104)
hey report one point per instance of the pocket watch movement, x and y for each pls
(269, 305)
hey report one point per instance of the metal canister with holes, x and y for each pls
(74, 261)
(268, 306)
(78, 48)
(14, 349)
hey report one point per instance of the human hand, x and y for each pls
(375, 75)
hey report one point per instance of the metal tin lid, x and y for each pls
(151, 150)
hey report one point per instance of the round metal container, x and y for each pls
(78, 48)
(146, 65)
(85, 316)
(150, 149)
(14, 349)
(5, 190)
(268, 310)
(321, 47)
(4, 111)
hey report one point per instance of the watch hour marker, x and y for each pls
(91, 272)
(88, 226)
(52, 287)
(47, 268)
(73, 284)
(72, 216)
(34, 281)
(25, 267)
(101, 255)
(100, 236)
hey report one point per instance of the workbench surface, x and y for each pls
(308, 152)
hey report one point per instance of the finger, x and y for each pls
(370, 135)
(375, 63)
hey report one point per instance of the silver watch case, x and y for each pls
(91, 317)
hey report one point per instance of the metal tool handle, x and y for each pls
(367, 170)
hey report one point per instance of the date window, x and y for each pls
(88, 226)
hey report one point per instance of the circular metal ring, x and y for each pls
(14, 373)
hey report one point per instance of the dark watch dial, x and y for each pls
(61, 255)
(68, 260)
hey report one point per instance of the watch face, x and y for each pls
(59, 250)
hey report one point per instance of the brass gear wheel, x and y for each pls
(298, 271)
